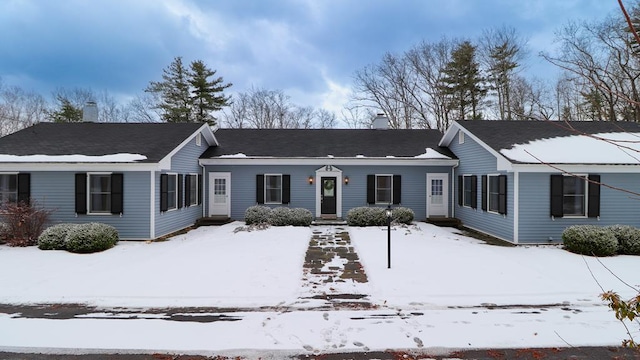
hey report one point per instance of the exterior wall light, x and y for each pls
(346, 180)
(310, 180)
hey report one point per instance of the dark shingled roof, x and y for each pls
(289, 143)
(153, 140)
(505, 134)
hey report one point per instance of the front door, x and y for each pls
(219, 194)
(328, 196)
(437, 190)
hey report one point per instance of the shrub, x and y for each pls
(301, 217)
(628, 239)
(366, 216)
(54, 237)
(24, 222)
(257, 215)
(91, 237)
(590, 240)
(280, 216)
(402, 215)
(4, 232)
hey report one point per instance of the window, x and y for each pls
(191, 189)
(199, 139)
(172, 191)
(574, 196)
(273, 189)
(383, 189)
(460, 137)
(99, 193)
(494, 193)
(8, 188)
(467, 191)
(577, 195)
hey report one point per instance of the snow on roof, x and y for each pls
(110, 158)
(604, 148)
(429, 153)
(238, 155)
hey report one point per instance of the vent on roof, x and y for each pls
(90, 112)
(381, 122)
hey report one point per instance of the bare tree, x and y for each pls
(19, 109)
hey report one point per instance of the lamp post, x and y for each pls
(388, 213)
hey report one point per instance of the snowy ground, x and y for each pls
(439, 293)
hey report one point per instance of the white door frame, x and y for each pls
(329, 171)
(212, 177)
(445, 191)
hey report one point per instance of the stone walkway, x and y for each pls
(332, 270)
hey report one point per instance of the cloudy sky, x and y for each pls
(310, 49)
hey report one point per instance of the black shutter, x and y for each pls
(371, 189)
(164, 192)
(81, 193)
(594, 196)
(397, 189)
(260, 189)
(557, 192)
(187, 190)
(474, 191)
(117, 187)
(484, 193)
(200, 185)
(24, 188)
(460, 190)
(502, 194)
(286, 189)
(180, 189)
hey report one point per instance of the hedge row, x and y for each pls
(602, 241)
(78, 238)
(376, 216)
(280, 216)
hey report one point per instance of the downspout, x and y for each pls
(452, 189)
(516, 205)
(152, 202)
(203, 188)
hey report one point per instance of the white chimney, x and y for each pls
(381, 122)
(90, 112)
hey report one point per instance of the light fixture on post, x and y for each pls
(310, 180)
(389, 213)
(346, 180)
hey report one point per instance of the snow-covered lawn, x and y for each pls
(435, 294)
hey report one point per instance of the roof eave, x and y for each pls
(261, 160)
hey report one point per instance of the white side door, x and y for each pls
(437, 195)
(219, 194)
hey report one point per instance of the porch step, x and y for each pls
(445, 221)
(213, 221)
(337, 221)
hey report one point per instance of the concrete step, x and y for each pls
(213, 221)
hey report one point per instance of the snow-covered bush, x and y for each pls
(366, 216)
(54, 237)
(402, 215)
(280, 216)
(300, 217)
(91, 237)
(628, 239)
(590, 240)
(257, 214)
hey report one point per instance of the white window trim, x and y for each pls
(199, 139)
(390, 190)
(265, 189)
(176, 192)
(460, 137)
(464, 191)
(497, 177)
(584, 178)
(89, 212)
(195, 199)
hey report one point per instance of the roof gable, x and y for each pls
(315, 143)
(152, 141)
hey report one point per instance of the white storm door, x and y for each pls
(219, 194)
(437, 194)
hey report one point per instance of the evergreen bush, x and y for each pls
(301, 217)
(54, 237)
(91, 237)
(257, 214)
(628, 239)
(366, 216)
(590, 240)
(280, 216)
(402, 215)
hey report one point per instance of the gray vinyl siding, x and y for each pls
(56, 191)
(243, 185)
(476, 160)
(184, 162)
(537, 226)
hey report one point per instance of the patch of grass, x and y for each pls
(490, 240)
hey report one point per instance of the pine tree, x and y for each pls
(174, 98)
(502, 67)
(206, 95)
(463, 81)
(66, 112)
